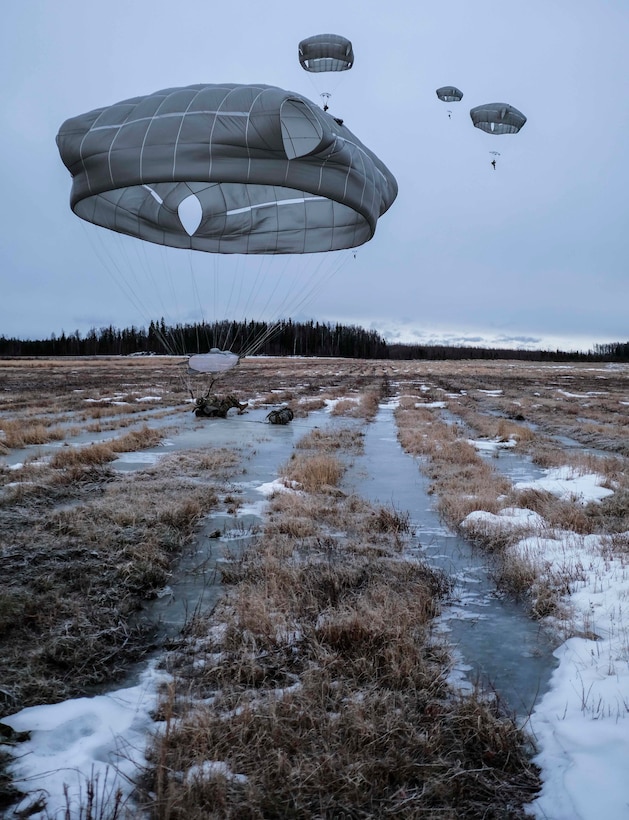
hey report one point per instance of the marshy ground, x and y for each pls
(318, 682)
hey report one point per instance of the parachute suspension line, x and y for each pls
(494, 158)
(214, 330)
(324, 96)
(158, 281)
(234, 300)
(255, 298)
(195, 291)
(262, 276)
(102, 252)
(317, 282)
(254, 341)
(212, 273)
(221, 330)
(142, 270)
(113, 268)
(224, 331)
(240, 299)
(332, 86)
(243, 300)
(206, 336)
(253, 292)
(166, 293)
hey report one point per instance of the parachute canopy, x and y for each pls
(226, 169)
(497, 118)
(216, 361)
(326, 52)
(449, 93)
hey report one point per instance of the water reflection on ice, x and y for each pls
(498, 644)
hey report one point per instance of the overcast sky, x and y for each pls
(534, 253)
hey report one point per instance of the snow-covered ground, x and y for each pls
(102, 739)
(581, 725)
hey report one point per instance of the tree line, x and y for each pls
(288, 338)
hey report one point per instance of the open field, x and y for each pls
(319, 676)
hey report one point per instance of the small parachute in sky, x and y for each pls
(326, 52)
(494, 157)
(497, 118)
(449, 93)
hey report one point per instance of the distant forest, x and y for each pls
(288, 339)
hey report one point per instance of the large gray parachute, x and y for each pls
(449, 93)
(326, 52)
(497, 118)
(225, 169)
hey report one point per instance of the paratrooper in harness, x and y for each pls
(212, 406)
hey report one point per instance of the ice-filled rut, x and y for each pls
(497, 643)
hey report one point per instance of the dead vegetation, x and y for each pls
(316, 687)
(98, 454)
(460, 479)
(32, 431)
(584, 401)
(320, 469)
(499, 410)
(328, 441)
(77, 565)
(364, 406)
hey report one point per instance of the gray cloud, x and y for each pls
(531, 254)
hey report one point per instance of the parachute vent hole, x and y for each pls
(190, 212)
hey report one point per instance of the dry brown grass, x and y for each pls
(218, 462)
(493, 427)
(17, 433)
(461, 480)
(94, 455)
(332, 440)
(106, 410)
(464, 482)
(90, 455)
(306, 406)
(345, 407)
(318, 689)
(78, 561)
(334, 756)
(582, 401)
(313, 473)
(364, 405)
(137, 440)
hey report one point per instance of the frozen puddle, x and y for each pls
(499, 646)
(195, 580)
